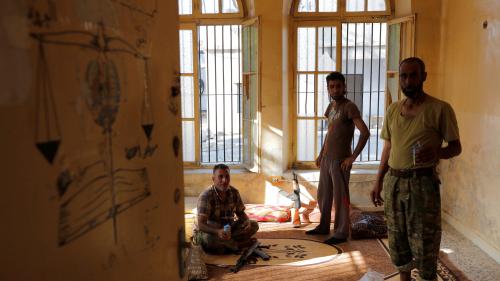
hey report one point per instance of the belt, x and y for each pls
(408, 173)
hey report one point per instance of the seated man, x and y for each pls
(217, 207)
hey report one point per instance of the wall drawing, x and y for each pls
(99, 191)
(146, 8)
(91, 196)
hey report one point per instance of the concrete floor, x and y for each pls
(460, 252)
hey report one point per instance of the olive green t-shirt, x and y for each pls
(341, 129)
(434, 123)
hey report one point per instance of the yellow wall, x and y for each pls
(471, 68)
(270, 14)
(428, 39)
(43, 203)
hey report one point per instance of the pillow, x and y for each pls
(367, 225)
(268, 213)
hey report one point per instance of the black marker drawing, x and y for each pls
(176, 143)
(91, 197)
(132, 152)
(134, 7)
(135, 151)
(102, 190)
(40, 16)
(47, 131)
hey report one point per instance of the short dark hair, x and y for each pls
(335, 76)
(221, 167)
(416, 60)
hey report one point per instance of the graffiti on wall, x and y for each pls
(98, 191)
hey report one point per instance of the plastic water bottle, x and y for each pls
(227, 228)
(414, 150)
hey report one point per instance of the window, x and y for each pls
(307, 6)
(341, 7)
(187, 79)
(211, 81)
(365, 5)
(185, 7)
(220, 90)
(316, 57)
(364, 65)
(204, 9)
(344, 42)
(401, 44)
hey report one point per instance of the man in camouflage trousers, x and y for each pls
(220, 205)
(414, 130)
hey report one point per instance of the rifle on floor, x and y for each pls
(255, 250)
(296, 191)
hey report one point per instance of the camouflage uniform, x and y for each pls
(413, 211)
(411, 190)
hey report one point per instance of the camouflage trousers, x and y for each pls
(413, 211)
(211, 243)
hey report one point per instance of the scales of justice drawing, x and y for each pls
(98, 192)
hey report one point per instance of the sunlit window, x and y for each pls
(307, 6)
(185, 7)
(229, 6)
(324, 6)
(219, 6)
(365, 5)
(327, 5)
(355, 5)
(376, 5)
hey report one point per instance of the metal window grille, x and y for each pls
(220, 90)
(363, 52)
(364, 65)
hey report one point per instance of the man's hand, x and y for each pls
(246, 225)
(223, 235)
(318, 160)
(347, 163)
(375, 194)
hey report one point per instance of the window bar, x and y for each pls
(322, 40)
(363, 90)
(331, 49)
(347, 51)
(371, 84)
(223, 97)
(215, 85)
(307, 91)
(208, 96)
(379, 63)
(240, 123)
(231, 87)
(355, 59)
(199, 94)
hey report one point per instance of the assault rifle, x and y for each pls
(255, 249)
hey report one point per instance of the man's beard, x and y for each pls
(412, 92)
(337, 98)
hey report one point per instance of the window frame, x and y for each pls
(197, 14)
(294, 102)
(318, 19)
(341, 12)
(192, 22)
(196, 102)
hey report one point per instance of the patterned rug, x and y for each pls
(289, 252)
(444, 273)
